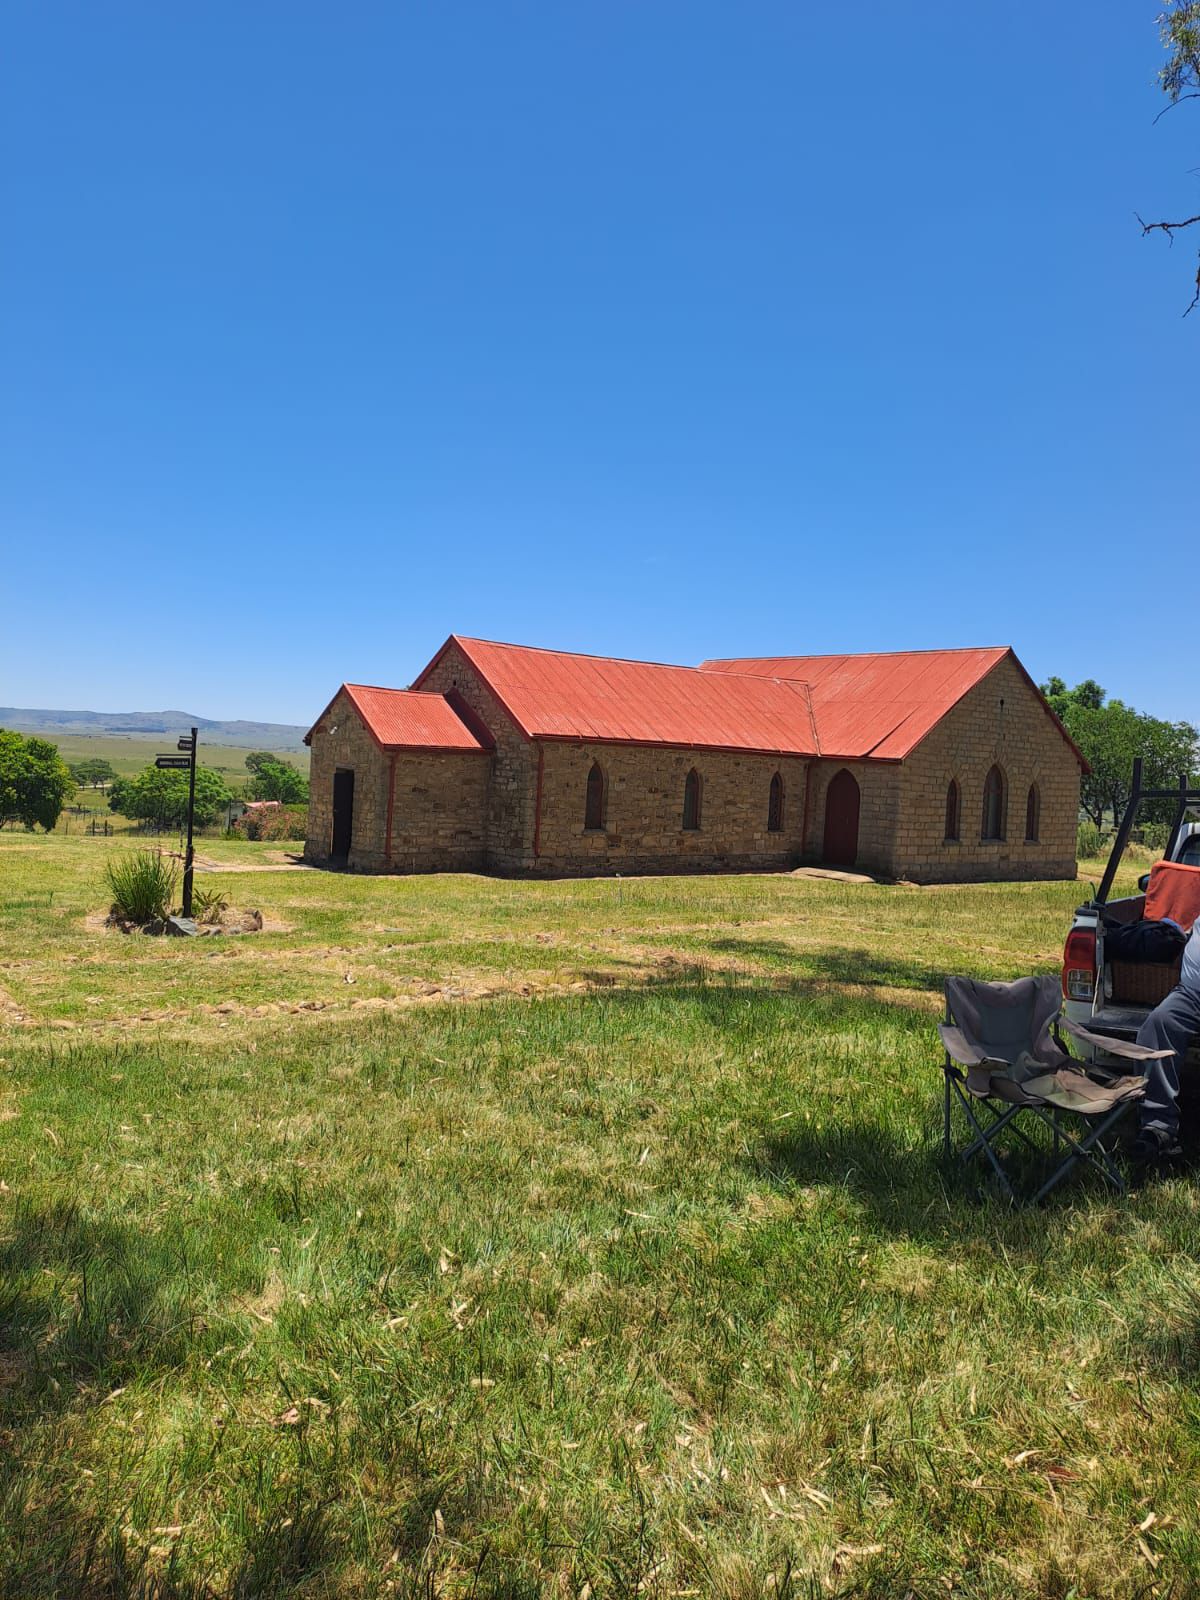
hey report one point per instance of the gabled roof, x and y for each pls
(401, 719)
(551, 694)
(881, 705)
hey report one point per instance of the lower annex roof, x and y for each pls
(403, 719)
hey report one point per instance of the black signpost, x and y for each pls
(178, 764)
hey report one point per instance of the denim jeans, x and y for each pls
(1170, 1026)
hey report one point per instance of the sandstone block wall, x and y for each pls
(643, 825)
(509, 832)
(439, 801)
(1000, 721)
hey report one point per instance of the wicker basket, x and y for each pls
(1142, 983)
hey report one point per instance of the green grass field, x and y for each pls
(129, 755)
(464, 1238)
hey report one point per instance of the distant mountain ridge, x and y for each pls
(147, 724)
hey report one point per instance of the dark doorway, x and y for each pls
(343, 813)
(841, 820)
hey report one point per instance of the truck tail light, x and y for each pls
(1079, 964)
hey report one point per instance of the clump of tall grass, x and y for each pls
(1088, 841)
(142, 885)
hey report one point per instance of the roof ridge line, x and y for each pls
(386, 688)
(592, 655)
(857, 655)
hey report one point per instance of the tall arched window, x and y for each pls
(775, 806)
(993, 805)
(953, 810)
(691, 801)
(1033, 813)
(593, 811)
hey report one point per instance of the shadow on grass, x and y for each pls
(860, 969)
(86, 1307)
(918, 1192)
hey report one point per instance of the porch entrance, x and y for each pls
(343, 813)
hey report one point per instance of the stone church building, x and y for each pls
(935, 765)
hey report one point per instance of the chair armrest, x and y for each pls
(1116, 1047)
(966, 1053)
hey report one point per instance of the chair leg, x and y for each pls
(984, 1136)
(1091, 1151)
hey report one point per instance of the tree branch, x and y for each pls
(1173, 104)
(1167, 227)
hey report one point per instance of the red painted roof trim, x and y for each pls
(667, 744)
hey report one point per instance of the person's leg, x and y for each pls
(1170, 1026)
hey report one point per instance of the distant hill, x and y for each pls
(154, 725)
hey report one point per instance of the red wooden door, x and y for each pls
(841, 820)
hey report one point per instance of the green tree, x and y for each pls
(1110, 735)
(1179, 29)
(34, 781)
(257, 759)
(93, 772)
(161, 796)
(278, 780)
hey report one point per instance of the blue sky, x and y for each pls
(658, 329)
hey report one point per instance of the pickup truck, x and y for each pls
(1113, 998)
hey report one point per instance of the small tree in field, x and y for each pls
(34, 781)
(278, 780)
(93, 772)
(160, 796)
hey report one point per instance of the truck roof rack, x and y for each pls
(1182, 795)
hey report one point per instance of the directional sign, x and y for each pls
(176, 763)
(185, 744)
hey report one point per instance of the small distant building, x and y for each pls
(936, 765)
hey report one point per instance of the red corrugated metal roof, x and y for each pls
(551, 694)
(401, 719)
(881, 705)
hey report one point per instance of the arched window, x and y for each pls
(993, 805)
(953, 810)
(1033, 813)
(775, 806)
(691, 801)
(593, 811)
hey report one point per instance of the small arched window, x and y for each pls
(953, 810)
(1033, 813)
(775, 806)
(593, 811)
(993, 805)
(691, 801)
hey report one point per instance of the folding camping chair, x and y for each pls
(1006, 1059)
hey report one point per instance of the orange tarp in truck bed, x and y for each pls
(1173, 891)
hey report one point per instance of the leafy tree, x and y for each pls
(34, 781)
(278, 780)
(160, 795)
(93, 772)
(1111, 734)
(1179, 29)
(257, 759)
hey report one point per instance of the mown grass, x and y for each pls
(647, 1281)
